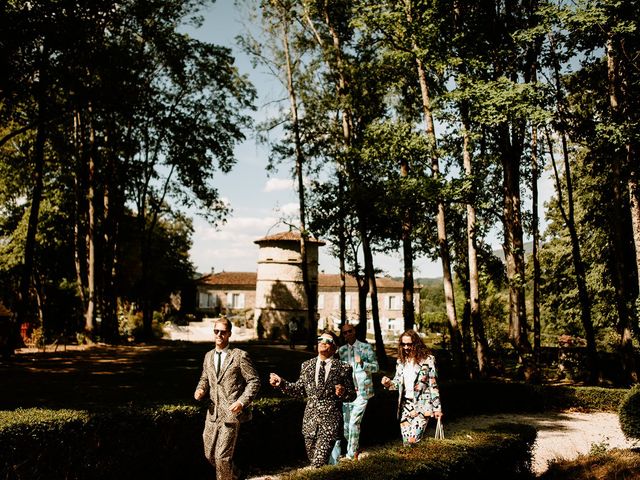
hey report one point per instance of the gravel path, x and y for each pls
(561, 435)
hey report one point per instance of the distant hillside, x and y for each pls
(528, 249)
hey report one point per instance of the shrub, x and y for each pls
(504, 452)
(629, 413)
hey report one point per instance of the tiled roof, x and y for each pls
(332, 280)
(325, 280)
(287, 236)
(230, 278)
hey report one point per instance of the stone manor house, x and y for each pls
(268, 298)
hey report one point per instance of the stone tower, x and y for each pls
(280, 294)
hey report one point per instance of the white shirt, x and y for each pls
(327, 366)
(409, 375)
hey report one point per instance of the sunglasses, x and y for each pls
(348, 331)
(325, 340)
(220, 332)
(410, 344)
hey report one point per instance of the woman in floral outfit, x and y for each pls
(416, 382)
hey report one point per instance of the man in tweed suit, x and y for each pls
(326, 382)
(363, 361)
(230, 382)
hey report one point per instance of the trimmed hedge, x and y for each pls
(629, 414)
(505, 452)
(163, 442)
(166, 442)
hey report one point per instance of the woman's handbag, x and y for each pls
(439, 430)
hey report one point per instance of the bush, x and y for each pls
(629, 414)
(502, 453)
(165, 442)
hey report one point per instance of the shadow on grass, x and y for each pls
(103, 376)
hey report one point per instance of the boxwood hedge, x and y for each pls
(165, 442)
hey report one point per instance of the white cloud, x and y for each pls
(290, 209)
(278, 184)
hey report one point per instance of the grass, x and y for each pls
(162, 373)
(612, 464)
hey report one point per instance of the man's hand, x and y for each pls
(236, 407)
(274, 380)
(339, 390)
(357, 358)
(386, 382)
(200, 394)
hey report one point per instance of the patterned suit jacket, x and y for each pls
(425, 388)
(324, 409)
(238, 380)
(361, 371)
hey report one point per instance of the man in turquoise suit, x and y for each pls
(362, 358)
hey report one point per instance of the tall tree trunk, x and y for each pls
(616, 100)
(34, 212)
(342, 249)
(109, 331)
(408, 309)
(79, 228)
(381, 353)
(513, 247)
(481, 344)
(578, 264)
(475, 314)
(537, 344)
(443, 242)
(90, 312)
(310, 288)
(337, 65)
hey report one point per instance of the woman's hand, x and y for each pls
(386, 382)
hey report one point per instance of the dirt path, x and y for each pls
(563, 435)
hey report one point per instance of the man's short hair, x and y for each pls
(224, 320)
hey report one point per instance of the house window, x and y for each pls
(393, 302)
(321, 301)
(203, 299)
(235, 300)
(211, 300)
(347, 302)
(391, 324)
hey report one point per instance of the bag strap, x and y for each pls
(439, 430)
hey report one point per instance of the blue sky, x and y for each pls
(259, 200)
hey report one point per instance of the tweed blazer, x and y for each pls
(238, 380)
(425, 388)
(324, 408)
(361, 371)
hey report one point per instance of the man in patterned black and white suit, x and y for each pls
(326, 382)
(230, 382)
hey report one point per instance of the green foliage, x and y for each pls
(629, 414)
(503, 452)
(165, 442)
